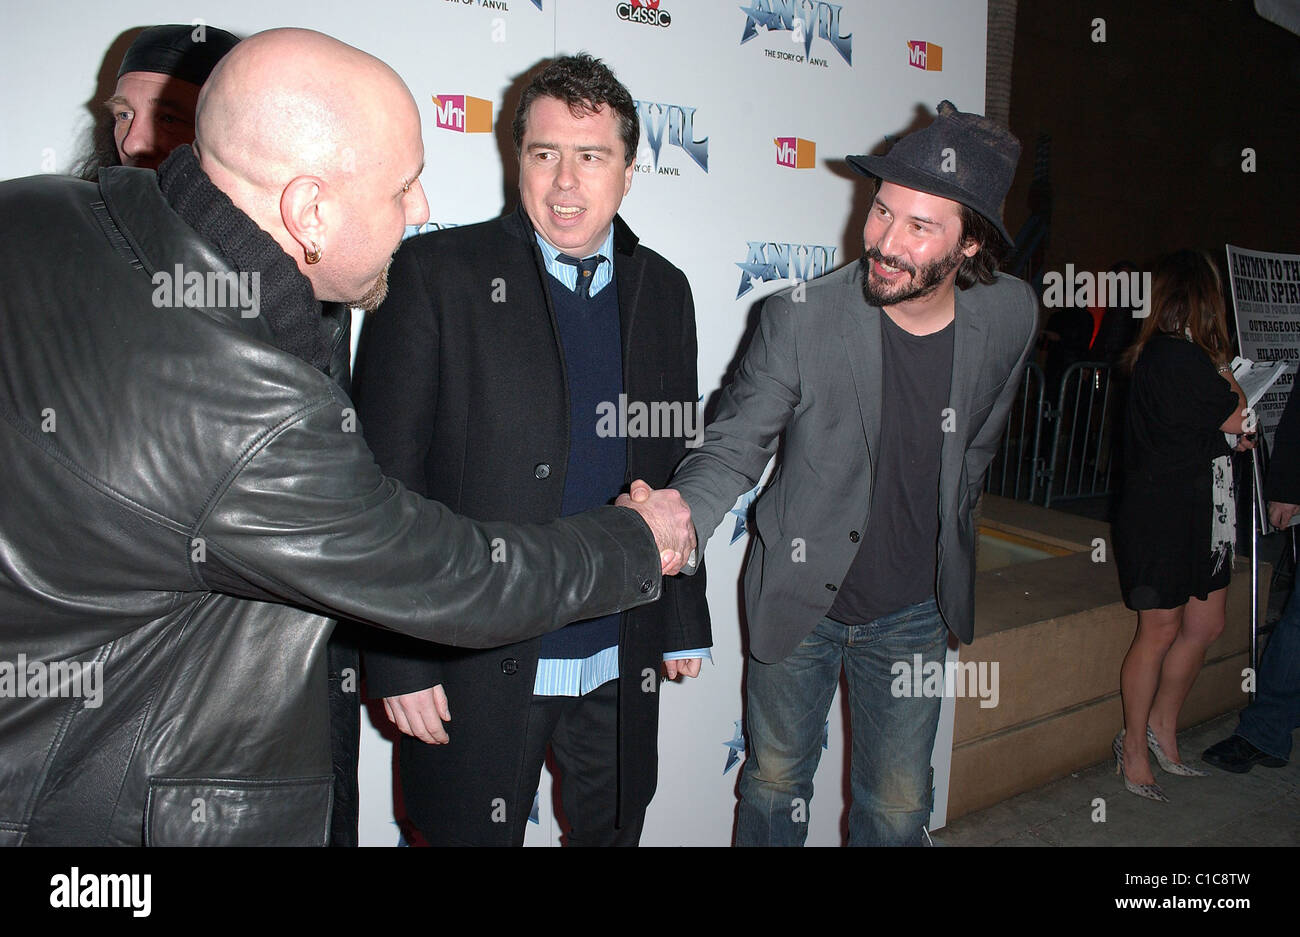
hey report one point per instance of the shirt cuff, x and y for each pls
(702, 652)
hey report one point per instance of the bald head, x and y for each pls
(319, 143)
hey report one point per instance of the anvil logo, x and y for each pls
(770, 261)
(680, 123)
(802, 16)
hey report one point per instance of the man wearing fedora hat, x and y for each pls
(890, 381)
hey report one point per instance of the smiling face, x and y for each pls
(152, 115)
(573, 174)
(912, 246)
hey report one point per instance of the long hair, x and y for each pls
(982, 266)
(102, 149)
(1186, 298)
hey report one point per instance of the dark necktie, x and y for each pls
(586, 270)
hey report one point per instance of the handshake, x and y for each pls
(669, 519)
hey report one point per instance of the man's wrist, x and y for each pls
(703, 653)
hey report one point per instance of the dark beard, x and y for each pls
(375, 295)
(923, 283)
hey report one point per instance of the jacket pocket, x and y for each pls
(238, 812)
(989, 397)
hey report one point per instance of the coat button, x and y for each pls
(542, 470)
(646, 586)
(854, 536)
(509, 666)
(831, 587)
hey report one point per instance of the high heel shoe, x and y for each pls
(1168, 764)
(1149, 791)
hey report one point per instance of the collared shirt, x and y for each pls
(578, 677)
(568, 273)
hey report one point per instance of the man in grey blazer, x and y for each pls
(890, 380)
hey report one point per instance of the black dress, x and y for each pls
(1166, 544)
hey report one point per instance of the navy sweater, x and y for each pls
(591, 340)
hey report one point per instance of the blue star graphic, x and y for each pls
(735, 748)
(771, 21)
(741, 510)
(756, 16)
(754, 272)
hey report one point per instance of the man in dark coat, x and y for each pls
(521, 369)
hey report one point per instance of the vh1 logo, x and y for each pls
(795, 152)
(925, 55)
(462, 113)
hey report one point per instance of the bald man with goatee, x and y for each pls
(189, 501)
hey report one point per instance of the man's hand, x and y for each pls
(1280, 513)
(685, 667)
(669, 520)
(421, 714)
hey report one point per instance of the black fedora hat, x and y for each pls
(965, 157)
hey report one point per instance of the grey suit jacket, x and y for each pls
(812, 372)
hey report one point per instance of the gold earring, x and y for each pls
(313, 255)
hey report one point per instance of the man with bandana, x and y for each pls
(151, 110)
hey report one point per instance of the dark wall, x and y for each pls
(1148, 127)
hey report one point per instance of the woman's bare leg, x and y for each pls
(1139, 678)
(1202, 625)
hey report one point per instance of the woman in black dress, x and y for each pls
(1173, 531)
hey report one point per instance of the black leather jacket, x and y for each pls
(186, 508)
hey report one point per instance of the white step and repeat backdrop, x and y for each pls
(748, 110)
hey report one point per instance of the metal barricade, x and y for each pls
(1016, 469)
(1081, 463)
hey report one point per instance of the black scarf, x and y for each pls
(288, 305)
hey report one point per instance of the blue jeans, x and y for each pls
(892, 736)
(1268, 722)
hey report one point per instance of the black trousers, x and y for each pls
(582, 734)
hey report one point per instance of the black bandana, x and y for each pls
(174, 50)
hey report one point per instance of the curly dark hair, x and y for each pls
(982, 267)
(585, 84)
